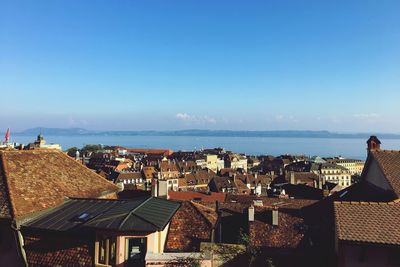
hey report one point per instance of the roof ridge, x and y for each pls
(201, 213)
(199, 204)
(367, 202)
(79, 164)
(131, 212)
(40, 150)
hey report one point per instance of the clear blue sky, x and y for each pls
(251, 65)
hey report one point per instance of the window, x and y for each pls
(102, 251)
(112, 251)
(135, 251)
(107, 251)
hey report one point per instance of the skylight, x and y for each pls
(83, 217)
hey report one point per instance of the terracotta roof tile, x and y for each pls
(389, 162)
(288, 234)
(60, 251)
(149, 172)
(370, 222)
(207, 212)
(188, 228)
(40, 179)
(271, 202)
(191, 195)
(5, 205)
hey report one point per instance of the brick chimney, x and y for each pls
(373, 143)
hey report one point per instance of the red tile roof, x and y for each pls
(36, 180)
(60, 251)
(368, 222)
(188, 228)
(291, 227)
(288, 234)
(166, 152)
(389, 162)
(209, 213)
(149, 172)
(270, 202)
(191, 195)
(166, 166)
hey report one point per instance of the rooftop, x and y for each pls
(389, 162)
(142, 215)
(35, 180)
(368, 222)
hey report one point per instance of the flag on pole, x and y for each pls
(7, 135)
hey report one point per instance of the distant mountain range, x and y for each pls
(211, 133)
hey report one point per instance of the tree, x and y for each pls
(72, 151)
(91, 148)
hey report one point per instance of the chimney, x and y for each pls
(159, 189)
(292, 180)
(320, 181)
(154, 188)
(216, 234)
(251, 213)
(275, 216)
(373, 143)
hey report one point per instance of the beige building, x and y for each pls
(333, 173)
(41, 143)
(235, 161)
(211, 162)
(355, 166)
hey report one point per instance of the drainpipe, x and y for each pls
(19, 240)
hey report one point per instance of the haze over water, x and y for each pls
(326, 147)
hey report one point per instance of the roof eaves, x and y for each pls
(7, 185)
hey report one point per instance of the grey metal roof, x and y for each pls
(144, 214)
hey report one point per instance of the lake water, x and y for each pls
(326, 147)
